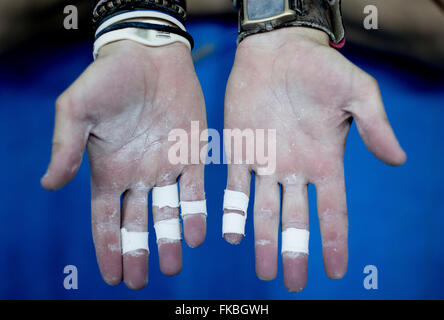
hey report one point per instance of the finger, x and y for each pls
(236, 203)
(266, 227)
(68, 145)
(295, 235)
(332, 212)
(193, 205)
(106, 235)
(167, 227)
(134, 236)
(374, 127)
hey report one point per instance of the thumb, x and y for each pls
(68, 145)
(373, 126)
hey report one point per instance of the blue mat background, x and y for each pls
(396, 214)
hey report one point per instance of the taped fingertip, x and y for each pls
(233, 223)
(168, 230)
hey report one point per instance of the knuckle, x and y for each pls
(296, 223)
(56, 145)
(369, 86)
(62, 102)
(329, 216)
(265, 213)
(67, 104)
(165, 213)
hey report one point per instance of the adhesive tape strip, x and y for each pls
(146, 37)
(295, 240)
(167, 196)
(149, 14)
(132, 241)
(233, 223)
(168, 229)
(193, 207)
(235, 200)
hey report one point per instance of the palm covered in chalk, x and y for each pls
(122, 108)
(290, 80)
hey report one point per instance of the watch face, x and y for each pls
(262, 9)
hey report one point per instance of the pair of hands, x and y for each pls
(124, 105)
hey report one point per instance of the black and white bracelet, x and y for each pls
(142, 24)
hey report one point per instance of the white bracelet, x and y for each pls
(152, 38)
(149, 14)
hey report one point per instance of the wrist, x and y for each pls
(129, 49)
(277, 38)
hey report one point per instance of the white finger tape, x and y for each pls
(132, 241)
(235, 200)
(168, 229)
(295, 240)
(193, 207)
(167, 196)
(233, 223)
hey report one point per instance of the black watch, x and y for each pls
(257, 16)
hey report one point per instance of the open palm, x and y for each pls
(123, 108)
(291, 81)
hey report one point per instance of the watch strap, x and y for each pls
(324, 15)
